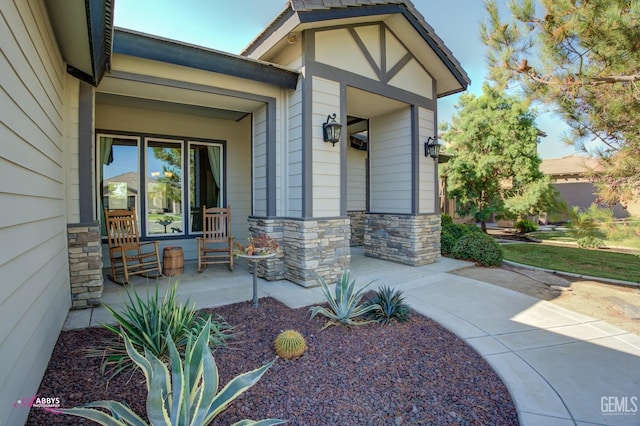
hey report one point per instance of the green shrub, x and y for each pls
(447, 243)
(391, 305)
(343, 305)
(590, 242)
(479, 248)
(148, 322)
(451, 233)
(524, 226)
(186, 395)
(445, 219)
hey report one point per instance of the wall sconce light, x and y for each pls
(331, 130)
(432, 147)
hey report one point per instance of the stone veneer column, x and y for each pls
(357, 218)
(270, 269)
(412, 240)
(316, 247)
(85, 264)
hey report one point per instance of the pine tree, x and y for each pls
(583, 58)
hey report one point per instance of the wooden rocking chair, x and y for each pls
(216, 244)
(128, 255)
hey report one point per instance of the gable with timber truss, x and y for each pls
(373, 51)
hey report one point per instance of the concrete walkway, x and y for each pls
(561, 367)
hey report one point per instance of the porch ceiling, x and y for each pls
(365, 104)
(147, 95)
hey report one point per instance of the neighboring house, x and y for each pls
(571, 177)
(90, 114)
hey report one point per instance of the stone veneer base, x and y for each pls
(358, 219)
(85, 264)
(407, 239)
(310, 248)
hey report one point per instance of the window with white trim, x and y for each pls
(166, 180)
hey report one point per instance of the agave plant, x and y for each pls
(188, 395)
(343, 305)
(391, 303)
(148, 322)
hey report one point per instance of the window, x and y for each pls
(205, 171)
(166, 187)
(118, 175)
(163, 195)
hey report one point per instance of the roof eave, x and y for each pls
(145, 46)
(261, 38)
(85, 46)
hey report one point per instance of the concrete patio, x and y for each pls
(561, 367)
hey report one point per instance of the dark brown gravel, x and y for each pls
(406, 373)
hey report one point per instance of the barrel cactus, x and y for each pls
(290, 344)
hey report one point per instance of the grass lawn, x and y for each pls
(553, 236)
(631, 241)
(597, 263)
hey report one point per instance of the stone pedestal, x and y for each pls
(316, 248)
(412, 240)
(270, 269)
(85, 264)
(310, 248)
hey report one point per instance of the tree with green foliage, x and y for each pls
(495, 165)
(583, 58)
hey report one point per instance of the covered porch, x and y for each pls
(217, 286)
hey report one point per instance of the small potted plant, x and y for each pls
(257, 245)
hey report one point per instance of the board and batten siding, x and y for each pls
(326, 158)
(356, 180)
(35, 291)
(390, 162)
(427, 165)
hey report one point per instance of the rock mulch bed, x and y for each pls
(414, 373)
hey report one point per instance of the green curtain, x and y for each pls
(214, 163)
(105, 146)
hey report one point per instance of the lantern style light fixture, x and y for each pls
(432, 147)
(331, 130)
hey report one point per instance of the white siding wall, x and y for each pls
(426, 128)
(290, 56)
(356, 179)
(294, 153)
(326, 158)
(260, 162)
(34, 295)
(390, 162)
(237, 135)
(339, 49)
(413, 78)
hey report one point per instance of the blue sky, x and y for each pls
(231, 25)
